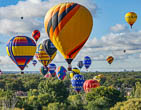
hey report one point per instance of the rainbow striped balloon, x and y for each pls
(42, 56)
(21, 50)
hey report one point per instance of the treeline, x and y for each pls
(118, 91)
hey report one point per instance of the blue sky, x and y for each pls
(110, 35)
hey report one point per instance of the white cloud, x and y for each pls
(118, 28)
(33, 12)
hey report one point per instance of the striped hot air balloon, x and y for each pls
(68, 25)
(110, 59)
(36, 35)
(42, 56)
(21, 50)
(87, 62)
(52, 69)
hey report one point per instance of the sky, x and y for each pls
(110, 34)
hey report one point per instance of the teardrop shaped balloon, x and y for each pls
(80, 64)
(61, 72)
(87, 62)
(42, 56)
(52, 69)
(110, 59)
(43, 70)
(36, 35)
(49, 47)
(21, 50)
(34, 62)
(131, 18)
(68, 26)
(77, 82)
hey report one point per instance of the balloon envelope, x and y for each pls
(77, 82)
(80, 64)
(74, 71)
(131, 18)
(42, 56)
(34, 62)
(21, 50)
(49, 47)
(87, 62)
(61, 73)
(68, 26)
(36, 35)
(43, 70)
(110, 59)
(52, 69)
(88, 84)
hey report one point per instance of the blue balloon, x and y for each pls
(77, 82)
(52, 67)
(87, 62)
(34, 62)
(80, 64)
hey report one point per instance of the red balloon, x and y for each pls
(36, 35)
(88, 84)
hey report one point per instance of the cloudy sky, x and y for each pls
(111, 35)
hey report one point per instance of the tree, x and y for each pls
(130, 104)
(103, 97)
(55, 88)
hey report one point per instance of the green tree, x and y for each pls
(103, 97)
(55, 88)
(130, 104)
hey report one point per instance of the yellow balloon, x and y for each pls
(74, 71)
(131, 18)
(71, 75)
(68, 25)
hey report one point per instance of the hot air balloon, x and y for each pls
(74, 71)
(124, 51)
(48, 75)
(88, 84)
(110, 59)
(49, 47)
(43, 70)
(77, 82)
(34, 62)
(87, 62)
(21, 49)
(36, 35)
(98, 77)
(42, 56)
(21, 17)
(80, 64)
(131, 18)
(52, 68)
(68, 26)
(61, 73)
